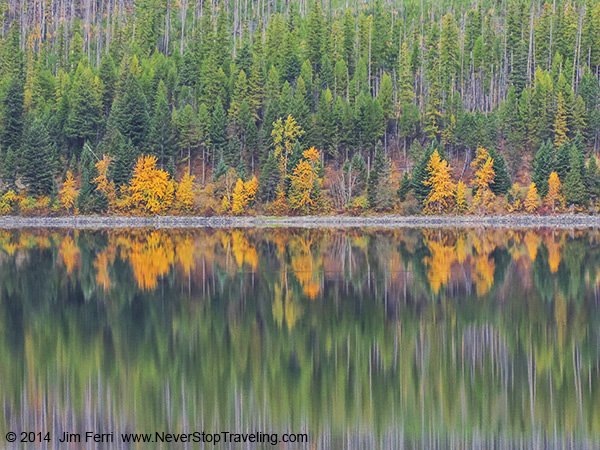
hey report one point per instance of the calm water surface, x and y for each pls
(360, 338)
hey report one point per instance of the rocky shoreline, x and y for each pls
(383, 221)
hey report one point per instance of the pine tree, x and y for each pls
(85, 107)
(574, 188)
(160, 138)
(592, 178)
(543, 164)
(560, 121)
(269, 179)
(124, 155)
(89, 199)
(12, 108)
(502, 181)
(129, 113)
(562, 160)
(37, 159)
(379, 191)
(420, 173)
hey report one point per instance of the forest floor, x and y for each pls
(335, 221)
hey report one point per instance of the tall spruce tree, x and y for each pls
(37, 160)
(161, 136)
(543, 165)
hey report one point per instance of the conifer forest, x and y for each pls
(299, 107)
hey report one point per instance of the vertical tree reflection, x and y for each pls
(415, 337)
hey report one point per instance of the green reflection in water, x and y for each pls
(363, 339)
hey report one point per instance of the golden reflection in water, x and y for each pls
(311, 258)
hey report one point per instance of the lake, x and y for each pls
(360, 338)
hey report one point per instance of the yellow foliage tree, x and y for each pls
(483, 165)
(103, 184)
(243, 195)
(554, 194)
(305, 182)
(184, 196)
(68, 192)
(532, 201)
(285, 134)
(442, 192)
(461, 197)
(151, 190)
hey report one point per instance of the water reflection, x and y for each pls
(364, 339)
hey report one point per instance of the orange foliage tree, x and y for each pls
(305, 187)
(151, 190)
(68, 192)
(442, 192)
(554, 194)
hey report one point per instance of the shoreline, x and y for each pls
(564, 221)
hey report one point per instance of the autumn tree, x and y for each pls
(554, 195)
(532, 200)
(151, 190)
(442, 193)
(184, 194)
(244, 194)
(305, 183)
(68, 192)
(483, 165)
(103, 184)
(461, 197)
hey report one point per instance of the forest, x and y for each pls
(271, 107)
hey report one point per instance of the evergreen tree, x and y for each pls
(124, 155)
(129, 113)
(420, 174)
(379, 191)
(85, 107)
(574, 187)
(160, 139)
(563, 160)
(592, 178)
(218, 136)
(269, 179)
(37, 159)
(543, 164)
(502, 181)
(90, 200)
(12, 115)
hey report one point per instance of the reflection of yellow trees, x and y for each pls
(184, 250)
(150, 257)
(306, 266)
(484, 274)
(442, 254)
(483, 265)
(284, 307)
(243, 251)
(69, 252)
(554, 249)
(532, 242)
(102, 264)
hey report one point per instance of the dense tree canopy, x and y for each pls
(205, 87)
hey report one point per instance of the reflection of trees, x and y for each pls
(206, 334)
